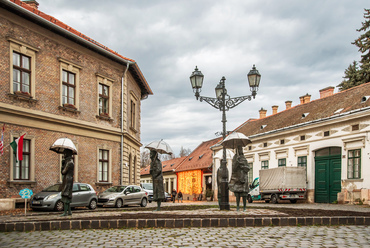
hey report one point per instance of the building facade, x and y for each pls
(328, 136)
(57, 82)
(194, 174)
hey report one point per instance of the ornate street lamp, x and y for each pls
(224, 102)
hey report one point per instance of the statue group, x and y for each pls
(239, 177)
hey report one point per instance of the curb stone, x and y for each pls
(181, 223)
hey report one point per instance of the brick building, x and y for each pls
(56, 82)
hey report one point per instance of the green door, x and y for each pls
(327, 176)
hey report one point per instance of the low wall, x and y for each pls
(7, 204)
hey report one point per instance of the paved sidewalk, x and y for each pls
(308, 236)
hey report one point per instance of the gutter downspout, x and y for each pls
(122, 95)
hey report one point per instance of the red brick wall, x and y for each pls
(47, 170)
(51, 47)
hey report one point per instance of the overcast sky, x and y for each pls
(298, 47)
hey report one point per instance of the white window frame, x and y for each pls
(109, 164)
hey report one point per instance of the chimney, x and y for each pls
(32, 3)
(262, 113)
(328, 91)
(274, 109)
(305, 99)
(288, 104)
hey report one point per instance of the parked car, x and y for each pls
(83, 195)
(167, 197)
(148, 187)
(118, 196)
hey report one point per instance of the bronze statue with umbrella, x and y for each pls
(65, 146)
(239, 175)
(156, 147)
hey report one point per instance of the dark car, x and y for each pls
(83, 195)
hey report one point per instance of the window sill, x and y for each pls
(23, 97)
(69, 109)
(103, 117)
(15, 183)
(103, 183)
(360, 180)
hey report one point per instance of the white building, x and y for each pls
(329, 136)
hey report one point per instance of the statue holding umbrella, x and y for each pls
(156, 147)
(239, 173)
(66, 147)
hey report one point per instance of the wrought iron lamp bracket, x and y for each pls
(229, 102)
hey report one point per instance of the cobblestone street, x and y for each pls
(309, 236)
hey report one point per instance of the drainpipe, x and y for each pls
(122, 95)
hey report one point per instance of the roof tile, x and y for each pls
(200, 158)
(318, 109)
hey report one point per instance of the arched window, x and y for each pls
(329, 151)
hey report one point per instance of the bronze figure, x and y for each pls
(239, 177)
(67, 171)
(157, 177)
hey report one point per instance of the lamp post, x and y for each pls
(224, 102)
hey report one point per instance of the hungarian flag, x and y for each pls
(17, 146)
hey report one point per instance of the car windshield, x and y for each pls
(53, 188)
(147, 186)
(116, 189)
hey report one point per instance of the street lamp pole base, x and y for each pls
(224, 204)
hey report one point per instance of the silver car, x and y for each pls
(148, 188)
(83, 195)
(118, 196)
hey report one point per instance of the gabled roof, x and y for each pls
(167, 166)
(26, 11)
(200, 158)
(145, 171)
(316, 111)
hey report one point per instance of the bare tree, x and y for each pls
(184, 152)
(165, 157)
(145, 158)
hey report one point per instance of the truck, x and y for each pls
(282, 183)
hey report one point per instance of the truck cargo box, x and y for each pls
(282, 179)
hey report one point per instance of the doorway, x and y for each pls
(327, 174)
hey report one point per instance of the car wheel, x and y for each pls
(274, 199)
(119, 203)
(59, 206)
(92, 204)
(250, 199)
(267, 201)
(144, 202)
